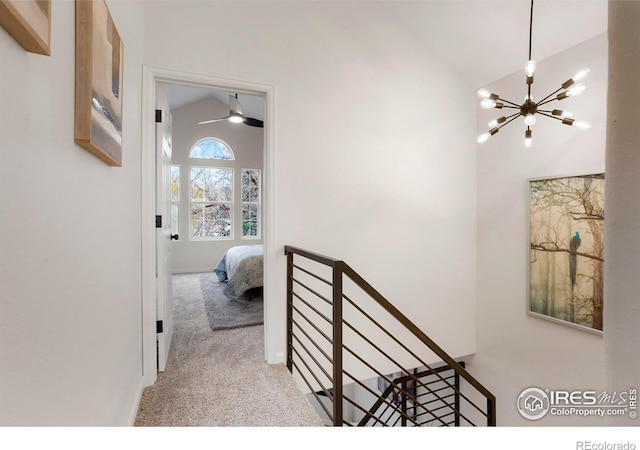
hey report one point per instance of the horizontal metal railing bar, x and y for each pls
(381, 397)
(438, 380)
(384, 330)
(320, 402)
(315, 344)
(317, 277)
(358, 406)
(311, 371)
(299, 311)
(371, 391)
(315, 327)
(392, 383)
(327, 392)
(449, 423)
(395, 312)
(434, 400)
(310, 356)
(396, 363)
(453, 411)
(326, 260)
(430, 371)
(433, 410)
(443, 417)
(326, 300)
(442, 407)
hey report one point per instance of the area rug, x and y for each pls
(224, 313)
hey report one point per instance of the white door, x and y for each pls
(163, 231)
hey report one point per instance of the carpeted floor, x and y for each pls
(219, 378)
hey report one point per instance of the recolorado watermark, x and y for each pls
(535, 403)
(588, 445)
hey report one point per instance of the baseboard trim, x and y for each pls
(136, 405)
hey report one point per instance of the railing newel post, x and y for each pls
(456, 383)
(289, 310)
(338, 416)
(491, 412)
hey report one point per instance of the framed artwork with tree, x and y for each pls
(566, 250)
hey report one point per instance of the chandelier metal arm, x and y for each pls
(530, 108)
(510, 119)
(541, 102)
(542, 113)
(511, 103)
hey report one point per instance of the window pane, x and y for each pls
(250, 185)
(211, 149)
(210, 220)
(250, 212)
(250, 229)
(250, 220)
(211, 184)
(175, 209)
(175, 183)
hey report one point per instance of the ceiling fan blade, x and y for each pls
(213, 120)
(253, 122)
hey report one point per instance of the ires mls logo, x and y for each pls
(534, 403)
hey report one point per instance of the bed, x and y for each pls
(241, 268)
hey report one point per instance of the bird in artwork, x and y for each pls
(573, 258)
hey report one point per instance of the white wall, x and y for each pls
(516, 351)
(374, 145)
(247, 144)
(623, 191)
(70, 327)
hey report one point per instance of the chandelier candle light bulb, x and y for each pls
(529, 119)
(483, 93)
(529, 109)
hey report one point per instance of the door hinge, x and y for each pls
(158, 326)
(158, 221)
(158, 116)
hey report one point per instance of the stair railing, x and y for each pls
(359, 373)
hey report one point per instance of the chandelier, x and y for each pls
(531, 108)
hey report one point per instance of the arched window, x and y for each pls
(211, 148)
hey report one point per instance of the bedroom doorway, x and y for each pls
(195, 87)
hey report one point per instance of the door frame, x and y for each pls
(150, 76)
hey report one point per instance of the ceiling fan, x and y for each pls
(236, 115)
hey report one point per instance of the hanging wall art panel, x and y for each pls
(566, 250)
(29, 22)
(99, 76)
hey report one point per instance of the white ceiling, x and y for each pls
(484, 40)
(180, 95)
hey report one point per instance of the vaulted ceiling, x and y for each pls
(483, 40)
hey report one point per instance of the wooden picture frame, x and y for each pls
(99, 82)
(29, 22)
(566, 251)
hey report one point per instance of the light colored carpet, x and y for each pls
(219, 378)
